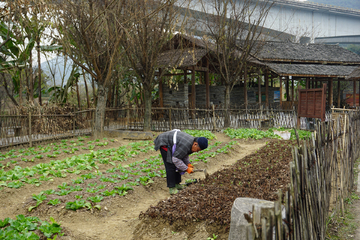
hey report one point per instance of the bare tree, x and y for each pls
(157, 21)
(234, 32)
(90, 32)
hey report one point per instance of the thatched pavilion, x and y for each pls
(315, 63)
(289, 62)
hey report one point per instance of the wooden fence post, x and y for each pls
(74, 124)
(30, 137)
(278, 217)
(214, 119)
(263, 229)
(127, 118)
(261, 115)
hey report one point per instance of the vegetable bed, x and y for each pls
(75, 180)
(259, 175)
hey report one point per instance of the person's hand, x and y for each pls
(190, 165)
(190, 170)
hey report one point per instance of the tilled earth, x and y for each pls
(253, 168)
(259, 175)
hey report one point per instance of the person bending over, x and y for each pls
(175, 147)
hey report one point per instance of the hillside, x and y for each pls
(355, 4)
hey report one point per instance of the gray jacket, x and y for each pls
(184, 143)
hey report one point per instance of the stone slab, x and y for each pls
(238, 225)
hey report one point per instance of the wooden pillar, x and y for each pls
(187, 103)
(259, 88)
(313, 83)
(330, 94)
(292, 91)
(207, 83)
(272, 81)
(280, 78)
(161, 95)
(267, 88)
(307, 83)
(193, 91)
(338, 96)
(245, 87)
(287, 89)
(354, 93)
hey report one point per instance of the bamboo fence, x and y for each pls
(322, 178)
(34, 126)
(31, 128)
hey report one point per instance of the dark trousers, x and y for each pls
(172, 176)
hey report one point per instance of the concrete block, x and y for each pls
(239, 229)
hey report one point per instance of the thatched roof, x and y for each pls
(355, 75)
(195, 51)
(311, 70)
(197, 42)
(306, 53)
(181, 57)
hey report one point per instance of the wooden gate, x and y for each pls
(312, 103)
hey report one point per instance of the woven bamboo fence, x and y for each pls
(34, 126)
(322, 175)
(31, 128)
(322, 178)
(164, 119)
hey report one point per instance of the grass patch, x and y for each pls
(344, 227)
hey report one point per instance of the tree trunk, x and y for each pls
(31, 83)
(147, 112)
(20, 87)
(78, 93)
(113, 95)
(39, 69)
(27, 79)
(245, 87)
(100, 111)
(94, 91)
(227, 106)
(7, 91)
(87, 90)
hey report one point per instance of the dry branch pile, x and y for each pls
(53, 118)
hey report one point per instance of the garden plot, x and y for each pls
(109, 185)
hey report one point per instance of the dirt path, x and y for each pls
(118, 218)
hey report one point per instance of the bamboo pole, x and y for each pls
(214, 118)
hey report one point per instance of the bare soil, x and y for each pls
(253, 168)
